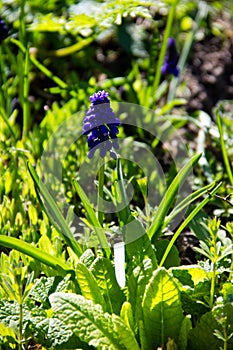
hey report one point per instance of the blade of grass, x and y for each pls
(92, 218)
(26, 114)
(223, 146)
(187, 201)
(186, 222)
(54, 212)
(168, 198)
(36, 253)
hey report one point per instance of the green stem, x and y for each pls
(223, 147)
(26, 112)
(201, 14)
(101, 194)
(20, 326)
(212, 288)
(43, 69)
(164, 46)
(20, 315)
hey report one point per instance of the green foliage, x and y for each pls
(60, 293)
(162, 309)
(91, 324)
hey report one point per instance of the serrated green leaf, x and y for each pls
(104, 273)
(45, 286)
(162, 309)
(91, 324)
(88, 285)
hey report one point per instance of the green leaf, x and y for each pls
(227, 292)
(190, 275)
(162, 309)
(104, 274)
(54, 213)
(92, 217)
(127, 315)
(137, 283)
(91, 324)
(28, 249)
(139, 250)
(184, 332)
(45, 286)
(186, 202)
(173, 256)
(199, 225)
(88, 285)
(202, 336)
(168, 199)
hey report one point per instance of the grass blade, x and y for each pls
(54, 212)
(92, 217)
(165, 204)
(187, 221)
(223, 147)
(36, 253)
(187, 201)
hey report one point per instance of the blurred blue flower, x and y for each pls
(171, 59)
(101, 125)
(4, 31)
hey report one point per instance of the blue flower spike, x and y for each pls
(4, 31)
(101, 126)
(171, 59)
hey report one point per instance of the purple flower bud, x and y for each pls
(171, 59)
(101, 125)
(4, 31)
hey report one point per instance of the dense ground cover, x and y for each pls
(116, 214)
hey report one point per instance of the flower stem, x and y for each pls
(164, 46)
(101, 193)
(212, 288)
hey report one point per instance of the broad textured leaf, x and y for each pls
(162, 309)
(139, 250)
(45, 286)
(91, 324)
(195, 287)
(137, 283)
(104, 273)
(195, 272)
(202, 336)
(88, 285)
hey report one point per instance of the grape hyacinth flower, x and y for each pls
(4, 31)
(101, 125)
(171, 59)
